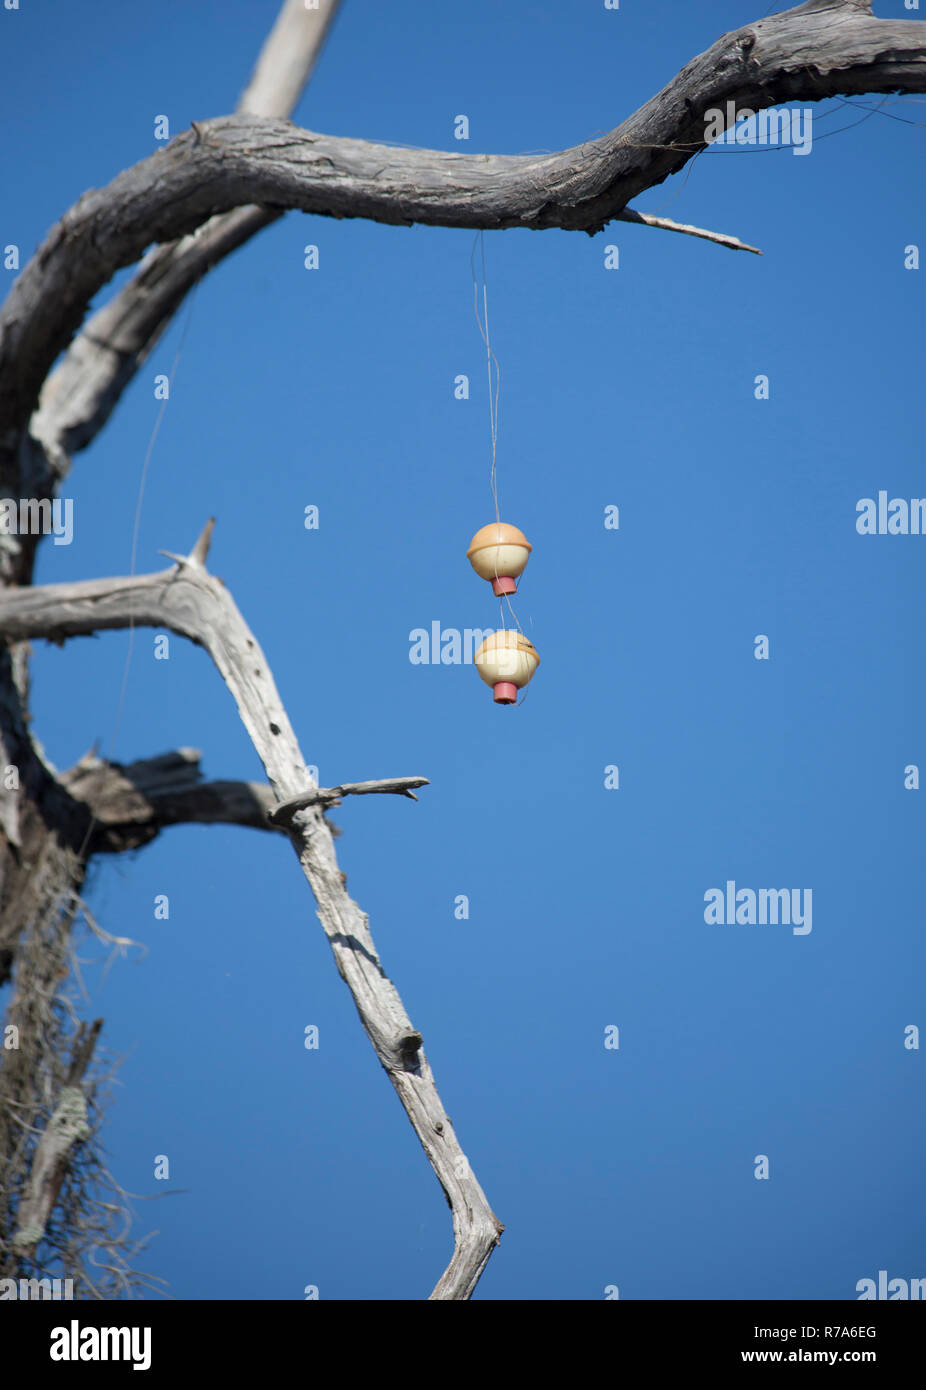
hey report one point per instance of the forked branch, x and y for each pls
(189, 601)
(820, 49)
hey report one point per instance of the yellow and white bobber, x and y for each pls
(506, 661)
(499, 552)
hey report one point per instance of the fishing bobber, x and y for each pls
(499, 552)
(506, 661)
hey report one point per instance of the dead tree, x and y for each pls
(201, 197)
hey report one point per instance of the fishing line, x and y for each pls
(135, 533)
(138, 507)
(494, 391)
(495, 384)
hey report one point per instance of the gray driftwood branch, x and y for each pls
(130, 803)
(820, 49)
(82, 391)
(191, 602)
(331, 796)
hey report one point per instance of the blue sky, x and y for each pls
(633, 387)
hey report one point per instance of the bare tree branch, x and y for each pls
(331, 796)
(820, 49)
(667, 225)
(81, 393)
(130, 803)
(287, 59)
(191, 602)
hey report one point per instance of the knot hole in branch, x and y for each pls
(407, 1047)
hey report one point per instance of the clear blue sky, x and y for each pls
(632, 387)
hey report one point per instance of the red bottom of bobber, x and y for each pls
(504, 692)
(504, 585)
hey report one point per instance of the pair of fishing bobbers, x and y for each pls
(506, 660)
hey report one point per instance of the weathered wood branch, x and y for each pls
(647, 219)
(189, 601)
(80, 394)
(820, 49)
(288, 57)
(331, 796)
(130, 803)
